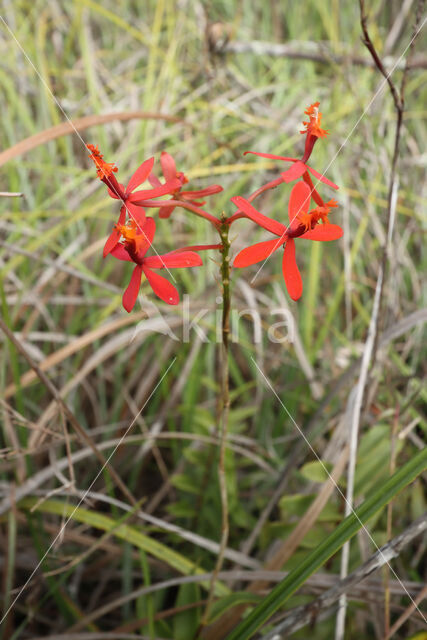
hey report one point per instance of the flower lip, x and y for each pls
(312, 110)
(313, 124)
(104, 169)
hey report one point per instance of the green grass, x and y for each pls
(100, 58)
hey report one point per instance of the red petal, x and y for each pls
(324, 232)
(120, 253)
(295, 172)
(165, 212)
(136, 213)
(168, 165)
(201, 193)
(153, 180)
(322, 178)
(299, 201)
(163, 189)
(256, 253)
(174, 260)
(271, 156)
(162, 287)
(291, 272)
(267, 223)
(112, 240)
(114, 236)
(131, 293)
(148, 230)
(140, 175)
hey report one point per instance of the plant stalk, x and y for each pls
(224, 408)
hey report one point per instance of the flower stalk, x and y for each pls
(224, 384)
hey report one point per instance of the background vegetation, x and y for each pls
(112, 570)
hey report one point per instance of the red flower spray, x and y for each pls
(133, 234)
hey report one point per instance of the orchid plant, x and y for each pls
(132, 238)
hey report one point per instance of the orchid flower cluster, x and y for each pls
(133, 234)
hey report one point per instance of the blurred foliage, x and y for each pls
(103, 57)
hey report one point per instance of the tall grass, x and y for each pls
(109, 570)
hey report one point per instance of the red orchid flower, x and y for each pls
(313, 131)
(302, 224)
(127, 195)
(170, 173)
(137, 239)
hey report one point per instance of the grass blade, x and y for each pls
(123, 532)
(345, 530)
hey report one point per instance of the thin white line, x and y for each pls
(384, 82)
(78, 134)
(62, 529)
(337, 487)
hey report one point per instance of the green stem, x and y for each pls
(225, 407)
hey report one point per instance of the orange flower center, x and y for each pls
(305, 220)
(128, 231)
(132, 235)
(309, 220)
(313, 124)
(103, 169)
